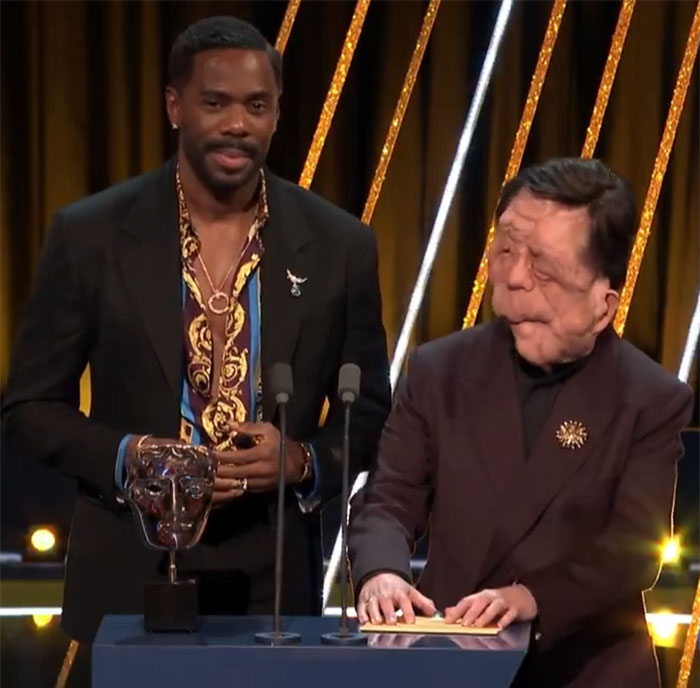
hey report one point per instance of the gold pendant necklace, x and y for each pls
(219, 302)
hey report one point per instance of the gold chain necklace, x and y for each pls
(214, 302)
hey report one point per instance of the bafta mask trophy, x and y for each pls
(169, 488)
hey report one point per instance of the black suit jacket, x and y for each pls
(579, 527)
(108, 293)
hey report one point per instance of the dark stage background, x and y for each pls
(82, 108)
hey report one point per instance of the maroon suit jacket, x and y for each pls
(579, 527)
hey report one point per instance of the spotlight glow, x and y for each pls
(42, 620)
(663, 628)
(671, 550)
(43, 539)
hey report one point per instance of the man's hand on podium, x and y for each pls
(501, 606)
(384, 593)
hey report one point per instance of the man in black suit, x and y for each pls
(181, 288)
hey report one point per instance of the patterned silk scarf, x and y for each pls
(240, 379)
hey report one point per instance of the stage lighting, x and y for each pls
(42, 620)
(43, 539)
(44, 543)
(663, 627)
(671, 550)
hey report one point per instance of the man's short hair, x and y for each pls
(217, 32)
(591, 184)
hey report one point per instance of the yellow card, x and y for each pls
(426, 625)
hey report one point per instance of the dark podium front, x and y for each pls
(224, 653)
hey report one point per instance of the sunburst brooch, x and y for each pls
(572, 434)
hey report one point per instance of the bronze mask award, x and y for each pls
(169, 488)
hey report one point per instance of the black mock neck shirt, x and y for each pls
(537, 391)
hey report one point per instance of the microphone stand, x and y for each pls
(279, 637)
(343, 636)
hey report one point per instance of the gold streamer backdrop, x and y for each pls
(81, 111)
(608, 78)
(657, 176)
(592, 133)
(82, 108)
(690, 646)
(516, 156)
(401, 105)
(287, 23)
(336, 88)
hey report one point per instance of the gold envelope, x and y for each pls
(425, 625)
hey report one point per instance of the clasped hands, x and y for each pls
(256, 469)
(384, 594)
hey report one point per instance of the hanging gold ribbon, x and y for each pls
(516, 154)
(400, 110)
(287, 23)
(333, 96)
(608, 78)
(659, 172)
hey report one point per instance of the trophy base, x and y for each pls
(281, 638)
(171, 607)
(343, 639)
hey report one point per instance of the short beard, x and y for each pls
(197, 162)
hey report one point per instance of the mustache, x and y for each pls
(249, 149)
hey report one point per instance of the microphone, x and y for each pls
(282, 387)
(281, 383)
(348, 391)
(349, 383)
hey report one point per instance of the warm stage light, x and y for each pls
(42, 620)
(663, 628)
(45, 544)
(671, 550)
(43, 540)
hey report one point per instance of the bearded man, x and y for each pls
(181, 288)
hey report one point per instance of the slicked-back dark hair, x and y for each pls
(577, 183)
(217, 32)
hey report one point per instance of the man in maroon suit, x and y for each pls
(540, 448)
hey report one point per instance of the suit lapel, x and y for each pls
(149, 256)
(284, 237)
(585, 397)
(493, 423)
(494, 419)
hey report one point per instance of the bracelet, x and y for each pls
(308, 462)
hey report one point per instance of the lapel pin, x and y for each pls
(295, 282)
(572, 434)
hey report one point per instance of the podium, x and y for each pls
(224, 652)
